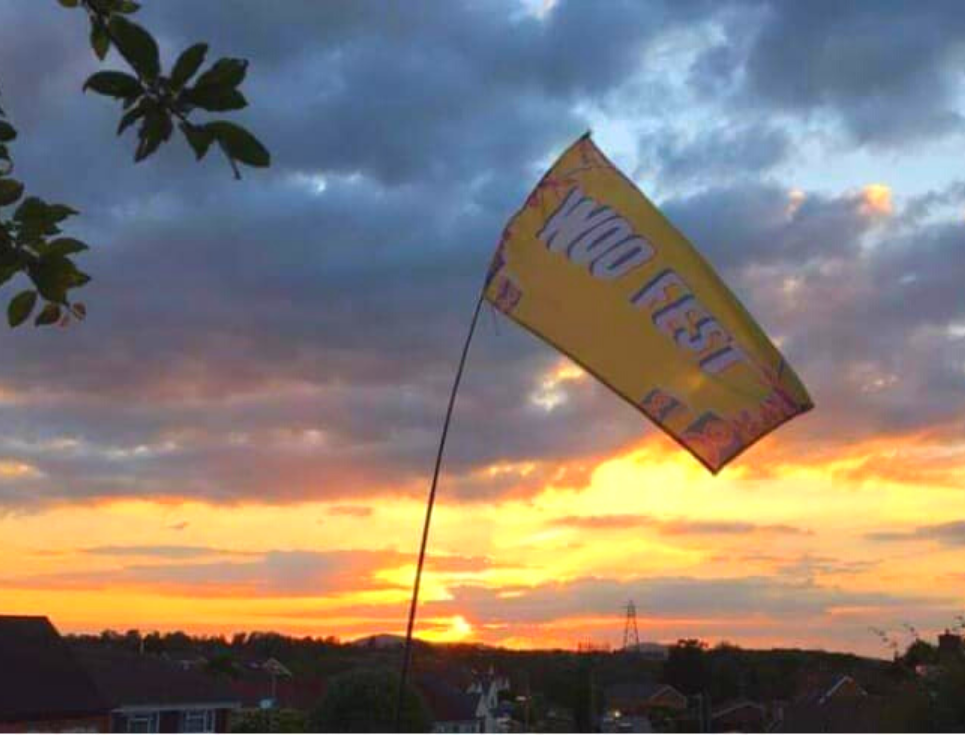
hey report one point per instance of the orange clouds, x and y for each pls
(783, 556)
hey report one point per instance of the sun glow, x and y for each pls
(447, 630)
(552, 389)
(876, 200)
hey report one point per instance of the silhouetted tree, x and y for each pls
(686, 666)
(364, 701)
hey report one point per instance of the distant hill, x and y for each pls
(381, 640)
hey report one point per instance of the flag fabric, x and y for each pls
(591, 266)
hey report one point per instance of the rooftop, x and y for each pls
(43, 680)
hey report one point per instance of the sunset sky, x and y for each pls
(241, 434)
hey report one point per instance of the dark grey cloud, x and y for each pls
(430, 90)
(951, 533)
(725, 152)
(215, 572)
(887, 71)
(294, 335)
(863, 300)
(664, 596)
(761, 223)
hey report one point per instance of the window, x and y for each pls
(143, 722)
(201, 720)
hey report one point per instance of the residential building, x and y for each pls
(44, 688)
(642, 698)
(950, 646)
(147, 693)
(452, 710)
(836, 704)
(269, 684)
(488, 687)
(740, 715)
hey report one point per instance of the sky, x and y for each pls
(241, 434)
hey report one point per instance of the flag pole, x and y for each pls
(407, 654)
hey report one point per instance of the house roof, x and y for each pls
(128, 679)
(42, 679)
(735, 705)
(638, 690)
(303, 693)
(857, 715)
(445, 701)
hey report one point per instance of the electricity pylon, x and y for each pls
(631, 637)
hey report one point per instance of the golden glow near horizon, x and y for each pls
(529, 571)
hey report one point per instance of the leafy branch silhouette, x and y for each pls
(31, 240)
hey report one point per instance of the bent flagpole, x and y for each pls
(594, 269)
(407, 653)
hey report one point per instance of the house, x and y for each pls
(147, 693)
(488, 687)
(269, 684)
(44, 688)
(452, 710)
(626, 724)
(950, 646)
(642, 698)
(741, 715)
(837, 704)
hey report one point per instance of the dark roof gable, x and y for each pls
(43, 680)
(445, 702)
(129, 679)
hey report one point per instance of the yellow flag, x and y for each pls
(590, 265)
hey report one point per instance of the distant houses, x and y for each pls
(474, 707)
(50, 687)
(644, 697)
(269, 682)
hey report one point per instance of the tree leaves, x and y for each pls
(225, 72)
(54, 275)
(188, 64)
(114, 84)
(137, 46)
(216, 99)
(100, 40)
(50, 314)
(239, 144)
(156, 101)
(24, 247)
(65, 246)
(20, 307)
(10, 191)
(155, 129)
(198, 138)
(152, 102)
(129, 118)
